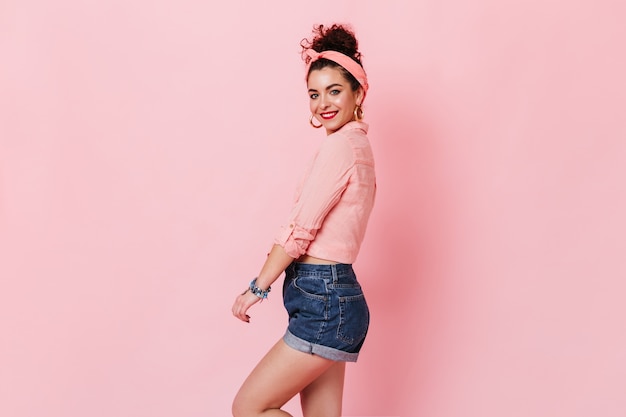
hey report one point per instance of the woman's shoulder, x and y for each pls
(354, 140)
(337, 143)
(350, 132)
(348, 145)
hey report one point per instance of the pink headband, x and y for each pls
(345, 61)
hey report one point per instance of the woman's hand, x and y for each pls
(243, 302)
(276, 262)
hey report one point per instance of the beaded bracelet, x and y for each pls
(262, 294)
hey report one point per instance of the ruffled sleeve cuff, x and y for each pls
(294, 239)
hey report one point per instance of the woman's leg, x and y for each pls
(280, 375)
(323, 397)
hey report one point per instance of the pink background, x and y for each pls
(150, 149)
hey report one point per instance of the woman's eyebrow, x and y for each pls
(330, 87)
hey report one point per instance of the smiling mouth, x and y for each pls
(328, 115)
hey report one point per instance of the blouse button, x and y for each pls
(291, 226)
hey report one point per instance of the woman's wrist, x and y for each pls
(259, 292)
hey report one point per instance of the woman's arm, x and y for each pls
(276, 262)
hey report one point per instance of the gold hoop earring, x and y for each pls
(358, 113)
(313, 124)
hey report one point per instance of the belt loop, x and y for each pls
(333, 269)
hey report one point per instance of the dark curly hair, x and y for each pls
(338, 38)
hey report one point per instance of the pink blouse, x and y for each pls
(334, 200)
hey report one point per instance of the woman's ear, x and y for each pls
(360, 96)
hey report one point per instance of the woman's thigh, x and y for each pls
(323, 397)
(280, 375)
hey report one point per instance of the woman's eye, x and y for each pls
(335, 92)
(314, 96)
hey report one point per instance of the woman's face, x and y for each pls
(331, 99)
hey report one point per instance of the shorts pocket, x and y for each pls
(307, 306)
(354, 319)
(314, 288)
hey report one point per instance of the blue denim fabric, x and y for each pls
(328, 314)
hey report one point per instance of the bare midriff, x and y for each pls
(308, 259)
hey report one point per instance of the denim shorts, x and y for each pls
(328, 315)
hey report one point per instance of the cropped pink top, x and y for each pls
(334, 200)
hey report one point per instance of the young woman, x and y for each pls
(328, 315)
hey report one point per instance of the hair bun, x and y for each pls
(337, 37)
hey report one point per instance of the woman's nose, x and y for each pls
(323, 101)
